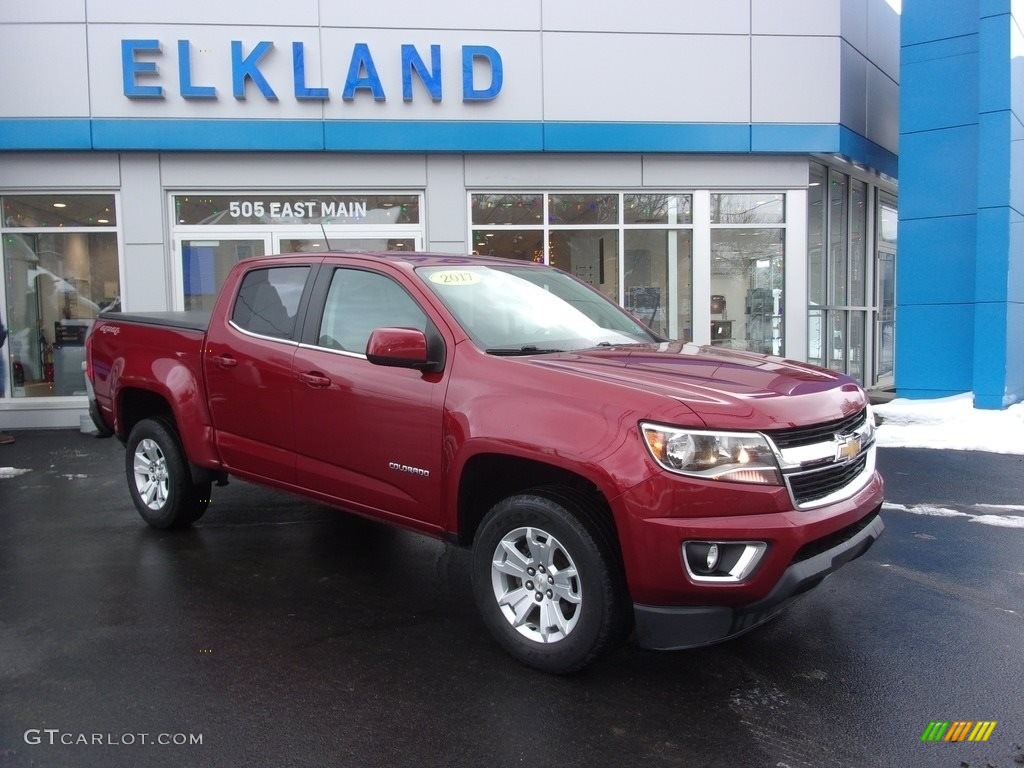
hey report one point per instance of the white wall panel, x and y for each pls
(519, 98)
(145, 278)
(795, 17)
(446, 200)
(537, 172)
(417, 14)
(63, 170)
(796, 80)
(210, 66)
(883, 30)
(726, 17)
(235, 12)
(883, 110)
(636, 78)
(724, 171)
(18, 11)
(201, 171)
(855, 23)
(853, 90)
(42, 71)
(142, 206)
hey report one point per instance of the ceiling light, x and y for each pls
(60, 205)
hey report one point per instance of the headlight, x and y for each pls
(738, 457)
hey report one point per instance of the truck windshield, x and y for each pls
(530, 310)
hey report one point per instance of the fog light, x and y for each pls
(712, 557)
(722, 561)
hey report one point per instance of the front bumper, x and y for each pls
(677, 627)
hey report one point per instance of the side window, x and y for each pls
(268, 301)
(359, 302)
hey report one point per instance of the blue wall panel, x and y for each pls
(941, 166)
(923, 22)
(941, 254)
(925, 107)
(934, 349)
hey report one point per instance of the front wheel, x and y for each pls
(159, 479)
(547, 582)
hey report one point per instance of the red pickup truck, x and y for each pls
(608, 481)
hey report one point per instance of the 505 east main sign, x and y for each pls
(143, 78)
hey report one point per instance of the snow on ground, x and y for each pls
(950, 423)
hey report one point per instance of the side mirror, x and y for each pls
(399, 348)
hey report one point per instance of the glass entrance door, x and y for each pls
(316, 243)
(206, 262)
(885, 292)
(885, 317)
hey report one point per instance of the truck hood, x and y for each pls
(725, 388)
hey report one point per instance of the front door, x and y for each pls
(248, 368)
(886, 240)
(368, 436)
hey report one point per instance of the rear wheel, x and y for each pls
(547, 582)
(159, 479)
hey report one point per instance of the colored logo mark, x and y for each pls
(959, 730)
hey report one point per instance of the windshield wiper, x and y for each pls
(528, 349)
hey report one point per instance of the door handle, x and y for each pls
(315, 380)
(224, 361)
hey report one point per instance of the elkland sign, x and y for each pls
(143, 77)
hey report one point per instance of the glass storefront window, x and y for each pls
(523, 244)
(205, 264)
(837, 218)
(816, 236)
(658, 273)
(592, 255)
(747, 279)
(48, 211)
(285, 209)
(57, 282)
(858, 241)
(658, 209)
(748, 208)
(492, 209)
(583, 209)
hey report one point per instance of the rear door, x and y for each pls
(367, 436)
(248, 369)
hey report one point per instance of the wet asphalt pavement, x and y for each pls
(283, 633)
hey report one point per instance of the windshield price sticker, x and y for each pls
(455, 277)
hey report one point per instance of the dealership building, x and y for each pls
(727, 171)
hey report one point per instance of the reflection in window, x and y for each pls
(592, 255)
(58, 281)
(268, 301)
(583, 209)
(206, 263)
(525, 244)
(658, 269)
(358, 303)
(512, 208)
(747, 277)
(749, 208)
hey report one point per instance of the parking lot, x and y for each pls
(281, 633)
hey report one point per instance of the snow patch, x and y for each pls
(1001, 521)
(951, 423)
(6, 472)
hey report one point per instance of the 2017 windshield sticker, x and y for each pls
(455, 277)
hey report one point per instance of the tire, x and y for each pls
(159, 478)
(548, 582)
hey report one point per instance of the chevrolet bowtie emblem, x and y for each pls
(847, 447)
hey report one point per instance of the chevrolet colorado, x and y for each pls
(607, 481)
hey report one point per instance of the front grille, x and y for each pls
(816, 433)
(816, 547)
(817, 484)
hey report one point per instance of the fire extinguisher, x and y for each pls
(48, 363)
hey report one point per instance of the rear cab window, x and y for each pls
(268, 301)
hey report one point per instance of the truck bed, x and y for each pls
(193, 320)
